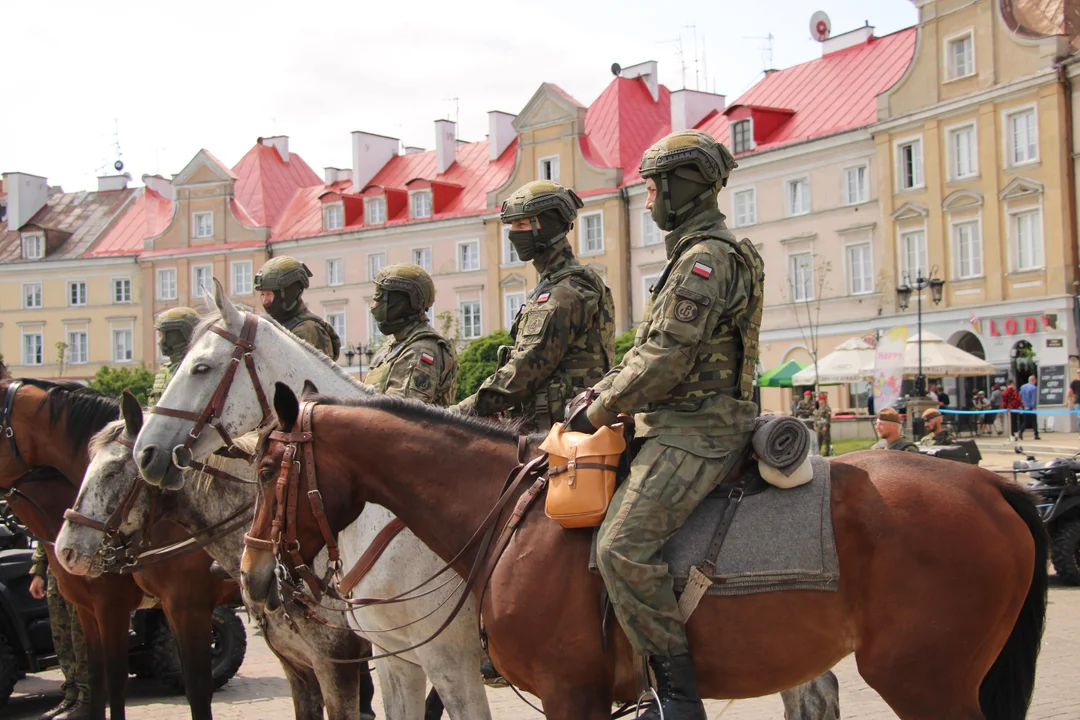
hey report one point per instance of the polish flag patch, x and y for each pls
(702, 270)
(427, 357)
(543, 297)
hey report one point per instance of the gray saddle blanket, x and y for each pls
(778, 540)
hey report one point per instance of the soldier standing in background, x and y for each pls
(175, 327)
(936, 433)
(823, 424)
(281, 283)
(805, 409)
(68, 642)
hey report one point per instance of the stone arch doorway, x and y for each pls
(966, 388)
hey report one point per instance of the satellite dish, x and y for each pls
(119, 165)
(820, 26)
(616, 69)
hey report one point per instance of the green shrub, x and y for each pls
(113, 381)
(479, 361)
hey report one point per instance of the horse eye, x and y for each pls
(201, 368)
(266, 474)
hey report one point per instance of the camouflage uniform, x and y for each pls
(689, 377)
(182, 320)
(941, 437)
(805, 408)
(67, 634)
(564, 335)
(823, 427)
(287, 278)
(901, 443)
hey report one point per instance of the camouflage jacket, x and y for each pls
(823, 416)
(805, 409)
(941, 437)
(308, 326)
(40, 560)
(419, 364)
(564, 342)
(901, 443)
(703, 291)
(161, 381)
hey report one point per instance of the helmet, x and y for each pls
(410, 279)
(281, 272)
(183, 319)
(690, 149)
(533, 198)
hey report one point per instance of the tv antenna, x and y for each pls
(118, 164)
(677, 42)
(453, 100)
(697, 75)
(766, 50)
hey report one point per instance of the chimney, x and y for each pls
(412, 149)
(111, 183)
(647, 72)
(160, 185)
(500, 133)
(332, 175)
(445, 145)
(27, 194)
(281, 142)
(369, 153)
(689, 107)
(845, 40)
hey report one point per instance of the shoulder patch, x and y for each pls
(691, 295)
(543, 297)
(702, 270)
(686, 310)
(535, 322)
(427, 358)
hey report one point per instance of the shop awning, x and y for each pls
(780, 376)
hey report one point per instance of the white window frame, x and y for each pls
(335, 272)
(901, 263)
(736, 220)
(68, 338)
(72, 285)
(196, 293)
(509, 252)
(36, 242)
(952, 134)
(116, 284)
(792, 279)
(958, 266)
(951, 71)
(789, 206)
(582, 228)
(196, 233)
(647, 281)
(330, 316)
(863, 193)
(113, 332)
(418, 198)
(750, 145)
(40, 335)
(39, 296)
(160, 285)
(372, 271)
(1014, 245)
(375, 338)
(553, 164)
(461, 244)
(1007, 134)
(418, 255)
(918, 170)
(465, 335)
(651, 234)
(375, 202)
(236, 288)
(848, 247)
(333, 216)
(508, 316)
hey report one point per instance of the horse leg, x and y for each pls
(818, 699)
(95, 657)
(114, 621)
(340, 684)
(305, 690)
(191, 621)
(454, 673)
(403, 685)
(576, 703)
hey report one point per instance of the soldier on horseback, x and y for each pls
(281, 283)
(175, 327)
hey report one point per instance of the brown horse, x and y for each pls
(942, 592)
(51, 426)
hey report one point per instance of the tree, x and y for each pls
(479, 361)
(622, 344)
(61, 355)
(809, 319)
(113, 381)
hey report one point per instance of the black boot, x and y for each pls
(492, 677)
(677, 687)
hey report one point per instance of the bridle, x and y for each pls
(13, 493)
(212, 413)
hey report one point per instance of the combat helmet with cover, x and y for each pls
(692, 168)
(555, 206)
(403, 293)
(183, 319)
(281, 272)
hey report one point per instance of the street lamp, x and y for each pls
(350, 353)
(903, 298)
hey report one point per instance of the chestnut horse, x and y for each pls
(51, 425)
(942, 591)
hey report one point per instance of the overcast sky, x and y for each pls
(217, 75)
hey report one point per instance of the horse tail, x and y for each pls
(1006, 690)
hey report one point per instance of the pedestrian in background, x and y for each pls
(1029, 396)
(1010, 400)
(995, 404)
(68, 642)
(1073, 401)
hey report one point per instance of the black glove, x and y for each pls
(580, 423)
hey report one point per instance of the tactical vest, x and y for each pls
(379, 374)
(712, 373)
(306, 316)
(161, 381)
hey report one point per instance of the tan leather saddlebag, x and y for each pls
(581, 474)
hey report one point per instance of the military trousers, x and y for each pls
(68, 643)
(666, 483)
(824, 440)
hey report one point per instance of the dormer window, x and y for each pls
(960, 56)
(375, 211)
(420, 204)
(333, 217)
(742, 136)
(33, 246)
(548, 168)
(202, 225)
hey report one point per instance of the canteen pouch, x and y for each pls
(582, 469)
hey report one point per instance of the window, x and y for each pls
(375, 263)
(960, 54)
(33, 247)
(509, 252)
(968, 246)
(468, 256)
(855, 188)
(202, 280)
(650, 231)
(166, 284)
(469, 319)
(335, 272)
(420, 204)
(422, 257)
(241, 277)
(77, 293)
(333, 217)
(962, 153)
(1027, 235)
(860, 269)
(913, 252)
(31, 295)
(592, 233)
(375, 211)
(122, 346)
(336, 320)
(802, 277)
(745, 202)
(375, 338)
(121, 292)
(742, 136)
(798, 196)
(548, 168)
(909, 164)
(1023, 137)
(513, 301)
(33, 349)
(76, 352)
(202, 225)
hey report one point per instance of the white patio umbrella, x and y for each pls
(846, 364)
(940, 359)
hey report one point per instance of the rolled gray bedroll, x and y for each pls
(782, 442)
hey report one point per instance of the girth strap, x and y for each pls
(371, 556)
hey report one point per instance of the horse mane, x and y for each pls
(88, 411)
(214, 318)
(106, 435)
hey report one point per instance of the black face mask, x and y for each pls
(285, 302)
(528, 243)
(392, 311)
(173, 345)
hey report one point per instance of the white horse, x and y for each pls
(452, 660)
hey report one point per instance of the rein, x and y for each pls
(13, 493)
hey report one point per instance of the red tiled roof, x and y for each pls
(220, 164)
(265, 183)
(75, 220)
(623, 122)
(217, 247)
(148, 216)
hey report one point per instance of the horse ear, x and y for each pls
(131, 411)
(309, 389)
(229, 313)
(286, 406)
